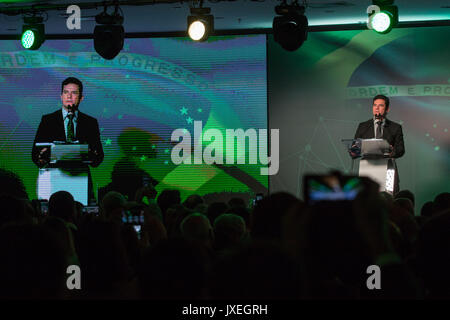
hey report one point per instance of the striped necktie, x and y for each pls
(379, 135)
(70, 129)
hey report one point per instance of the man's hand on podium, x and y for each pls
(353, 151)
(391, 148)
(42, 158)
(93, 154)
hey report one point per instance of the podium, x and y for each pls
(67, 171)
(374, 161)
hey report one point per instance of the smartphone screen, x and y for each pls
(91, 210)
(44, 208)
(137, 228)
(258, 197)
(145, 181)
(134, 218)
(330, 188)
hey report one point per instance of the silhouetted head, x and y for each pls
(387, 196)
(113, 205)
(406, 204)
(402, 216)
(192, 201)
(196, 227)
(14, 210)
(244, 213)
(442, 202)
(168, 198)
(172, 219)
(427, 209)
(236, 202)
(215, 209)
(229, 231)
(406, 194)
(12, 184)
(62, 205)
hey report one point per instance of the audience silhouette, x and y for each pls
(276, 248)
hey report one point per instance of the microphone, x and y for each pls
(379, 116)
(71, 109)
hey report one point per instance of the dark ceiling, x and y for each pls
(240, 15)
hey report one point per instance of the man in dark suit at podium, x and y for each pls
(68, 124)
(382, 128)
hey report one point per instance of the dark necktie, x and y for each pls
(379, 135)
(70, 130)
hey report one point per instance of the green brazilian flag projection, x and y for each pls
(152, 88)
(319, 94)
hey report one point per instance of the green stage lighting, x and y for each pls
(383, 20)
(33, 33)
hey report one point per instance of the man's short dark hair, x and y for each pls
(74, 81)
(381, 96)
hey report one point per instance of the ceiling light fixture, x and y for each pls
(109, 34)
(290, 27)
(200, 24)
(33, 33)
(385, 17)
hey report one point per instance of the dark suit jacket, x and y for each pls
(392, 132)
(51, 129)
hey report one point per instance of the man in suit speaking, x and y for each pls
(382, 128)
(68, 124)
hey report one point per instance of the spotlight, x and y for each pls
(200, 24)
(290, 27)
(386, 18)
(33, 33)
(109, 34)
